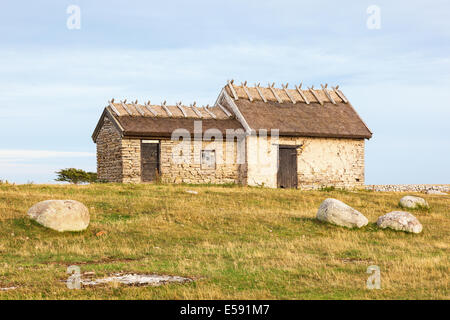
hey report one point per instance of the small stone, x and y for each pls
(400, 220)
(338, 213)
(412, 202)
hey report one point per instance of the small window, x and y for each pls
(208, 159)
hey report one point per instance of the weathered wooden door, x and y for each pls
(149, 160)
(287, 167)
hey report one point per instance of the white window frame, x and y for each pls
(212, 159)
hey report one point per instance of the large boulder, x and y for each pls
(60, 215)
(400, 220)
(338, 213)
(412, 202)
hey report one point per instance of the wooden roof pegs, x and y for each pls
(233, 92)
(209, 112)
(325, 90)
(138, 108)
(271, 87)
(315, 95)
(182, 109)
(123, 103)
(150, 109)
(244, 86)
(340, 94)
(260, 92)
(300, 92)
(163, 105)
(113, 107)
(194, 108)
(287, 93)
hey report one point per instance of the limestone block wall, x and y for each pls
(183, 164)
(330, 162)
(262, 158)
(131, 158)
(320, 161)
(109, 155)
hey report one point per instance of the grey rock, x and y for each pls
(338, 213)
(400, 220)
(435, 192)
(412, 202)
(60, 215)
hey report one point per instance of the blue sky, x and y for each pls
(54, 82)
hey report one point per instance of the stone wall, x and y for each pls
(131, 157)
(408, 187)
(120, 160)
(320, 161)
(183, 164)
(109, 154)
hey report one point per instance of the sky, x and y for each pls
(393, 64)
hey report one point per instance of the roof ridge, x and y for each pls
(123, 108)
(285, 94)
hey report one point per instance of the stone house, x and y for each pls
(259, 136)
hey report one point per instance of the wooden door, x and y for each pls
(149, 160)
(287, 167)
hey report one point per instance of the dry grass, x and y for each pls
(240, 243)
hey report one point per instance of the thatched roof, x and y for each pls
(138, 120)
(294, 112)
(297, 112)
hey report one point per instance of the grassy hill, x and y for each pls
(237, 242)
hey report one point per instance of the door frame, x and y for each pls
(158, 165)
(294, 148)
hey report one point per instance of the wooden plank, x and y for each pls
(325, 90)
(300, 92)
(150, 109)
(182, 109)
(275, 94)
(209, 112)
(288, 94)
(169, 113)
(230, 85)
(126, 108)
(329, 96)
(341, 95)
(198, 113)
(260, 93)
(248, 93)
(113, 108)
(138, 108)
(224, 110)
(316, 96)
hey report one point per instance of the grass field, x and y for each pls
(237, 242)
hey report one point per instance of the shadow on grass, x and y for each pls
(370, 227)
(32, 228)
